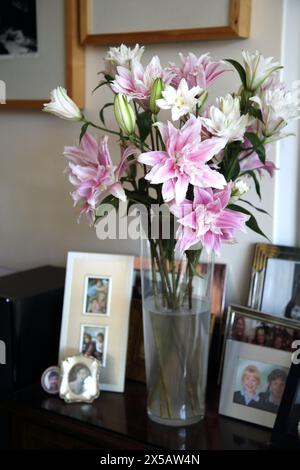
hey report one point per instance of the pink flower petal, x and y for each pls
(202, 196)
(117, 190)
(181, 187)
(160, 174)
(207, 178)
(186, 238)
(168, 191)
(152, 158)
(185, 208)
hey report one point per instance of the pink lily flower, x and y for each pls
(206, 220)
(93, 174)
(197, 71)
(137, 82)
(184, 161)
(253, 162)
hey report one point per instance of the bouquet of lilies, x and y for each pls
(177, 147)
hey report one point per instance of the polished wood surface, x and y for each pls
(119, 421)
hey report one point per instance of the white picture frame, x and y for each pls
(119, 269)
(263, 359)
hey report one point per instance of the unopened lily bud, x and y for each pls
(156, 94)
(124, 114)
(238, 190)
(202, 99)
(62, 106)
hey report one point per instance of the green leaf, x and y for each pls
(256, 183)
(142, 184)
(101, 113)
(251, 223)
(132, 171)
(234, 170)
(83, 130)
(103, 82)
(258, 146)
(240, 69)
(256, 208)
(144, 123)
(140, 198)
(230, 163)
(256, 113)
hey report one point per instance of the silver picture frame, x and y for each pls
(237, 311)
(80, 377)
(265, 282)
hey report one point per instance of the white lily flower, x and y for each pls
(258, 69)
(225, 119)
(181, 101)
(122, 56)
(238, 190)
(278, 106)
(62, 106)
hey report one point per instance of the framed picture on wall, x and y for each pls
(96, 313)
(191, 20)
(275, 280)
(31, 65)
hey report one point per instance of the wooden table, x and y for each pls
(119, 422)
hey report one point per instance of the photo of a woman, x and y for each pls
(271, 398)
(248, 395)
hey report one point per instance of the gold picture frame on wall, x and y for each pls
(236, 25)
(69, 60)
(275, 280)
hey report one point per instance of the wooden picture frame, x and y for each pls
(261, 284)
(74, 64)
(135, 366)
(238, 27)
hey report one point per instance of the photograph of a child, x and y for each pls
(79, 378)
(97, 296)
(51, 380)
(93, 342)
(265, 334)
(259, 385)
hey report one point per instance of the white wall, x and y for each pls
(37, 220)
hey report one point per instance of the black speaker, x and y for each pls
(30, 319)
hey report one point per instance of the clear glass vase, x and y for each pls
(176, 316)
